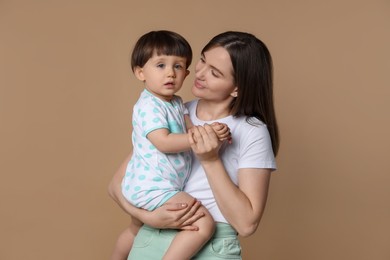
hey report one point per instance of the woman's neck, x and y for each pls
(209, 111)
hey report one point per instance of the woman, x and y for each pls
(233, 85)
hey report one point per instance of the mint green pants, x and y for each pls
(151, 244)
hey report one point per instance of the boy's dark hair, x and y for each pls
(162, 43)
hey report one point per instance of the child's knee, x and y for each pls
(207, 228)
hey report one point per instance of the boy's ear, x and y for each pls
(138, 72)
(187, 73)
(235, 92)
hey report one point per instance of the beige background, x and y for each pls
(65, 104)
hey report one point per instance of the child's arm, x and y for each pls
(188, 121)
(222, 131)
(167, 142)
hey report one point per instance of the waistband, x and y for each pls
(221, 230)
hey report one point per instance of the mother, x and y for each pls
(233, 85)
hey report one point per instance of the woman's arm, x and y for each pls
(115, 190)
(175, 216)
(242, 206)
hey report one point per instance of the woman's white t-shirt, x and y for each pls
(251, 148)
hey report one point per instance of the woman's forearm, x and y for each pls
(242, 206)
(115, 191)
(234, 205)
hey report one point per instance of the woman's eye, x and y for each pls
(214, 74)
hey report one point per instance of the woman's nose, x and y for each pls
(199, 71)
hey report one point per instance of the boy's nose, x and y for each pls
(171, 73)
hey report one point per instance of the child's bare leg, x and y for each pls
(125, 241)
(187, 243)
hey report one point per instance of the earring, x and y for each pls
(234, 94)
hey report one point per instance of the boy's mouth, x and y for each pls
(169, 83)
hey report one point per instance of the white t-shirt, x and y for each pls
(251, 148)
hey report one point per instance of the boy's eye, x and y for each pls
(160, 65)
(178, 66)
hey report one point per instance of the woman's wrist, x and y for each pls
(210, 162)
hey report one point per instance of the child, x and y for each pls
(161, 160)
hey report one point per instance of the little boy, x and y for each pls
(161, 160)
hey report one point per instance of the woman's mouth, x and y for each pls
(197, 84)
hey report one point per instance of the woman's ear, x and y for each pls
(235, 92)
(138, 72)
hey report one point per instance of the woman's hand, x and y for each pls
(174, 216)
(204, 143)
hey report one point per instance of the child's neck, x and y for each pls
(163, 98)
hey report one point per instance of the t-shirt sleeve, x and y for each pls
(151, 116)
(256, 149)
(185, 111)
(179, 102)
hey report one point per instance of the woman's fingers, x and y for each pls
(210, 139)
(185, 214)
(195, 139)
(189, 228)
(191, 136)
(196, 133)
(191, 216)
(191, 220)
(203, 138)
(186, 218)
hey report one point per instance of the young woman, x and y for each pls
(233, 85)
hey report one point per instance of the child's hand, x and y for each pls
(222, 131)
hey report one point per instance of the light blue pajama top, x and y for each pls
(152, 177)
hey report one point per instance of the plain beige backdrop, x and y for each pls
(65, 111)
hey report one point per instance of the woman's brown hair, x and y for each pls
(253, 76)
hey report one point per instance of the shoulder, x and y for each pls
(249, 123)
(191, 105)
(177, 99)
(149, 106)
(144, 98)
(254, 144)
(147, 101)
(251, 128)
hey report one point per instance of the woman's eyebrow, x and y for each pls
(213, 67)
